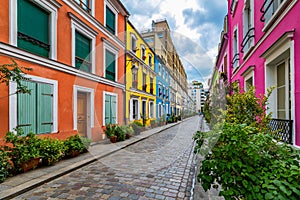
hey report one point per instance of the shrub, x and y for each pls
(110, 130)
(120, 133)
(23, 149)
(51, 150)
(4, 165)
(74, 143)
(242, 157)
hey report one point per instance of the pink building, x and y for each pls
(263, 44)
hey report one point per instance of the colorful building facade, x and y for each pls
(263, 48)
(162, 88)
(76, 50)
(140, 78)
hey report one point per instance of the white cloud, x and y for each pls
(196, 26)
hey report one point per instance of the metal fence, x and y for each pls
(283, 130)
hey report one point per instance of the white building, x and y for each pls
(198, 94)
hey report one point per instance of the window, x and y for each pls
(270, 7)
(35, 110)
(150, 60)
(83, 42)
(110, 18)
(279, 72)
(110, 109)
(144, 81)
(143, 53)
(248, 82)
(110, 65)
(82, 52)
(134, 111)
(248, 32)
(134, 79)
(133, 43)
(151, 85)
(235, 60)
(151, 109)
(85, 4)
(33, 28)
(283, 92)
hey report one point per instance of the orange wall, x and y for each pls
(66, 81)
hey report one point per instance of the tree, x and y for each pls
(16, 73)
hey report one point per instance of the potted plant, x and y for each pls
(120, 133)
(128, 130)
(110, 132)
(74, 146)
(23, 151)
(137, 127)
(51, 150)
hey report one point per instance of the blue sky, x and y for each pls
(196, 26)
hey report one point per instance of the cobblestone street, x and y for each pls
(159, 167)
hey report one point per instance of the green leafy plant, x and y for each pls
(242, 157)
(22, 149)
(4, 165)
(110, 130)
(73, 144)
(120, 133)
(14, 72)
(51, 150)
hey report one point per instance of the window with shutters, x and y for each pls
(33, 28)
(110, 109)
(35, 110)
(110, 65)
(82, 52)
(111, 18)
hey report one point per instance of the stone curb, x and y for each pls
(35, 182)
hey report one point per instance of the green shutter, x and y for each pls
(33, 28)
(110, 65)
(107, 110)
(110, 21)
(44, 108)
(82, 52)
(27, 109)
(113, 105)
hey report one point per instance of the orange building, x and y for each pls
(76, 49)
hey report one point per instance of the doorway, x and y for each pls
(82, 122)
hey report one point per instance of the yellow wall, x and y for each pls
(138, 61)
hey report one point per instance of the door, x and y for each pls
(82, 113)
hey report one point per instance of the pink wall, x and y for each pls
(289, 23)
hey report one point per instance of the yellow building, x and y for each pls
(140, 78)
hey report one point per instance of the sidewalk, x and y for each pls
(22, 183)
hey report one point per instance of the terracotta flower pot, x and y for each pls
(31, 164)
(113, 139)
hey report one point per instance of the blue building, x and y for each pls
(162, 88)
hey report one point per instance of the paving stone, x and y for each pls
(159, 167)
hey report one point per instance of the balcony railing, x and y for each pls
(264, 9)
(235, 60)
(247, 40)
(283, 130)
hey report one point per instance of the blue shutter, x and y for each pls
(33, 28)
(110, 21)
(113, 105)
(44, 108)
(107, 110)
(82, 52)
(110, 65)
(27, 109)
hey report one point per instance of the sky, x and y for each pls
(196, 27)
